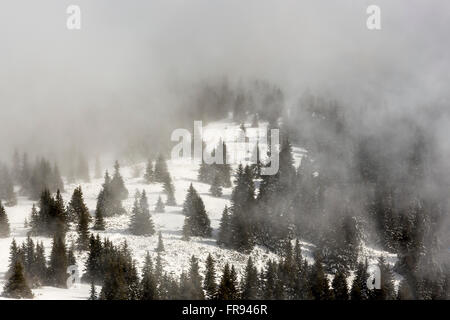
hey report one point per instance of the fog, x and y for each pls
(132, 66)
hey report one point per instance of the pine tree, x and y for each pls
(209, 283)
(4, 222)
(161, 172)
(118, 188)
(141, 220)
(160, 247)
(250, 282)
(160, 207)
(196, 222)
(225, 228)
(339, 284)
(93, 293)
(242, 210)
(195, 290)
(359, 290)
(99, 223)
(387, 289)
(216, 189)
(227, 289)
(148, 176)
(148, 286)
(40, 265)
(77, 207)
(83, 230)
(57, 270)
(320, 288)
(169, 189)
(109, 200)
(17, 286)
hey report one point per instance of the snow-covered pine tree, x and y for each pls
(160, 247)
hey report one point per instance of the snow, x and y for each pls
(177, 252)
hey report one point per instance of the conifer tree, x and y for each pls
(4, 222)
(339, 284)
(141, 220)
(160, 207)
(359, 290)
(320, 288)
(99, 223)
(209, 283)
(118, 188)
(250, 282)
(161, 172)
(227, 289)
(195, 289)
(57, 270)
(225, 228)
(160, 247)
(40, 265)
(17, 286)
(148, 286)
(77, 207)
(83, 230)
(93, 293)
(216, 189)
(148, 176)
(169, 189)
(196, 222)
(387, 290)
(109, 200)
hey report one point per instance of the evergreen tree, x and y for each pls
(209, 283)
(216, 189)
(339, 284)
(242, 198)
(93, 293)
(250, 282)
(320, 288)
(39, 269)
(161, 172)
(160, 207)
(148, 286)
(99, 223)
(17, 286)
(4, 222)
(160, 247)
(195, 290)
(227, 289)
(387, 289)
(118, 189)
(169, 189)
(83, 230)
(196, 222)
(141, 220)
(148, 176)
(57, 270)
(109, 200)
(359, 290)
(77, 207)
(225, 228)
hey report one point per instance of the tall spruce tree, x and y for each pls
(197, 222)
(209, 282)
(160, 207)
(224, 237)
(17, 286)
(148, 176)
(250, 282)
(57, 270)
(141, 220)
(4, 222)
(160, 247)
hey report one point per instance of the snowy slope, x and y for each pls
(177, 252)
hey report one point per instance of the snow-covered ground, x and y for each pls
(177, 252)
